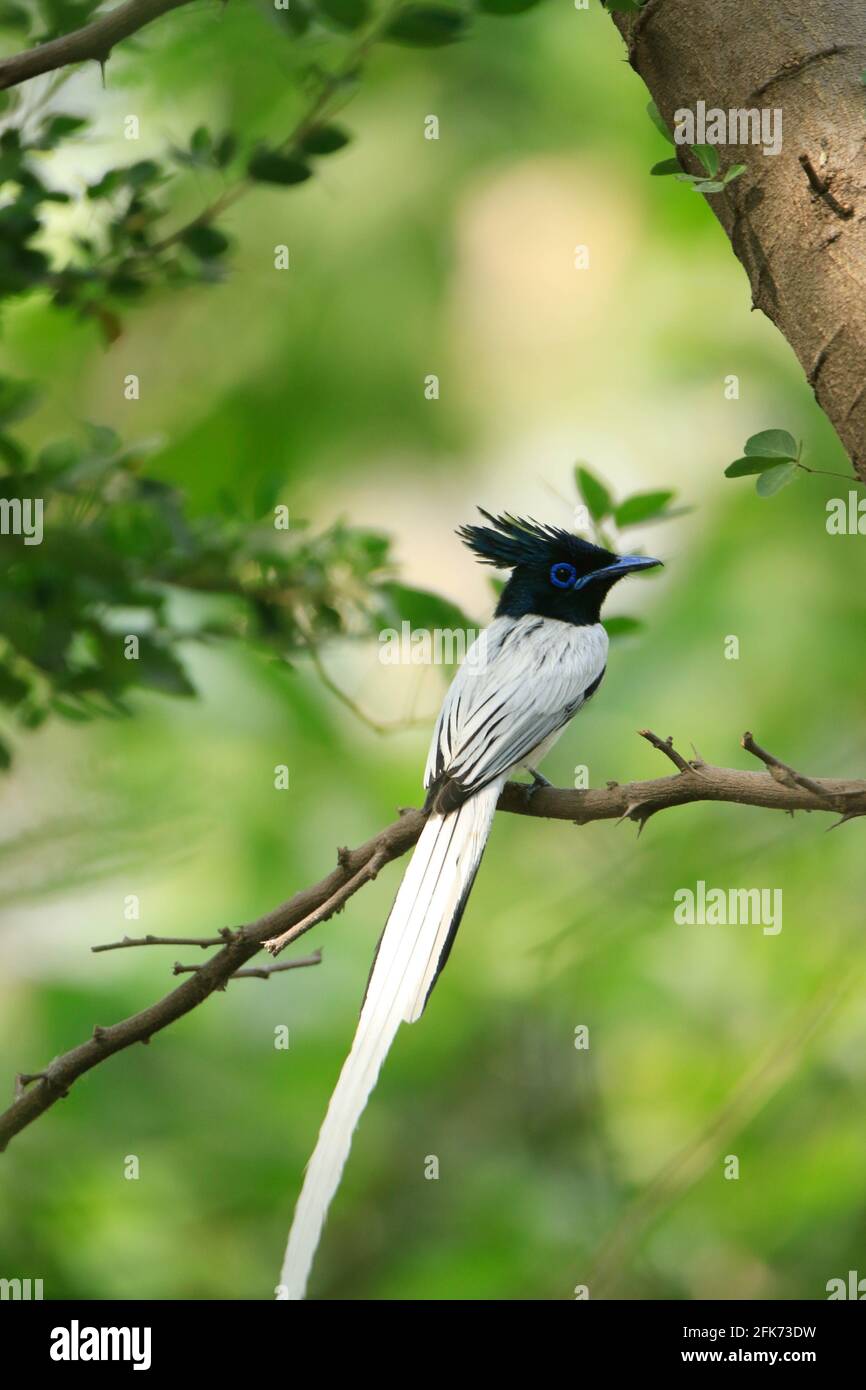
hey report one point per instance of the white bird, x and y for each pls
(525, 676)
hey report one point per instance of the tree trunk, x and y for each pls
(796, 220)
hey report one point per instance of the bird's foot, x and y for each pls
(538, 781)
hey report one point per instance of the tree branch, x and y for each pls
(779, 789)
(92, 43)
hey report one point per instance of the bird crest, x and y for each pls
(512, 542)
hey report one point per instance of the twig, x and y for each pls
(263, 972)
(789, 777)
(666, 746)
(331, 82)
(334, 904)
(637, 801)
(225, 934)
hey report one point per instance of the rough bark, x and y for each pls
(797, 220)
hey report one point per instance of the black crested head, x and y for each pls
(553, 572)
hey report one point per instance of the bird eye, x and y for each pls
(563, 575)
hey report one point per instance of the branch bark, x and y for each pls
(797, 220)
(92, 43)
(778, 788)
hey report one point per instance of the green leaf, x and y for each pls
(505, 7)
(777, 444)
(12, 688)
(622, 627)
(708, 156)
(348, 14)
(594, 493)
(206, 242)
(104, 441)
(268, 166)
(666, 166)
(145, 171)
(743, 467)
(733, 173)
(325, 139)
(424, 610)
(297, 17)
(641, 507)
(775, 479)
(17, 399)
(707, 186)
(426, 26)
(58, 456)
(200, 142)
(108, 184)
(58, 127)
(656, 117)
(14, 17)
(159, 669)
(224, 150)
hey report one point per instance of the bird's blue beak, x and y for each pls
(627, 564)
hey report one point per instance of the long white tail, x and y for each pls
(413, 948)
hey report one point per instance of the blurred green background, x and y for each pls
(557, 1167)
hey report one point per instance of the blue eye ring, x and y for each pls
(563, 575)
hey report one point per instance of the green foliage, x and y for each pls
(772, 479)
(658, 121)
(506, 7)
(427, 26)
(270, 166)
(127, 250)
(707, 156)
(324, 139)
(604, 512)
(774, 455)
(594, 493)
(642, 506)
(119, 551)
(346, 14)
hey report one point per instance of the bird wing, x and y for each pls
(520, 682)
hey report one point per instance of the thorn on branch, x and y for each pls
(849, 815)
(24, 1079)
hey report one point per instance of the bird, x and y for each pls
(536, 664)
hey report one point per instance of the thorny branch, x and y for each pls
(777, 787)
(92, 43)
